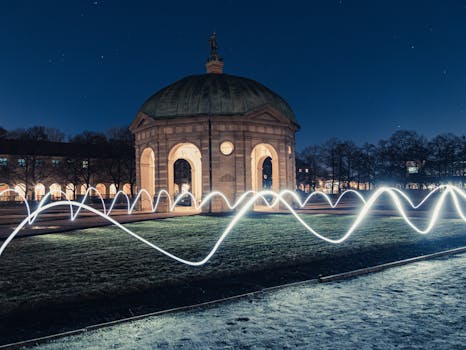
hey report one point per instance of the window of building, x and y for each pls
(38, 162)
(3, 161)
(22, 162)
(55, 162)
(413, 170)
(85, 164)
(227, 148)
(306, 170)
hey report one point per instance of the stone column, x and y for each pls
(161, 173)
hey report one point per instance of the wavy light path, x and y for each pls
(249, 199)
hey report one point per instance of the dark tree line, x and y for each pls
(405, 158)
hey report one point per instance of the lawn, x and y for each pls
(417, 306)
(99, 262)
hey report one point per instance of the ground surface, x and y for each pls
(418, 306)
(78, 278)
(100, 261)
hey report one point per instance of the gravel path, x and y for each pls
(418, 306)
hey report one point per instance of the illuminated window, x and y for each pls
(38, 162)
(3, 161)
(85, 164)
(55, 162)
(306, 170)
(22, 162)
(300, 170)
(289, 150)
(227, 148)
(413, 170)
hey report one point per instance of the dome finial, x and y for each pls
(214, 63)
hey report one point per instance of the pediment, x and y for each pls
(266, 117)
(267, 114)
(142, 120)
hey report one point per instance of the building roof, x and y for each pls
(213, 94)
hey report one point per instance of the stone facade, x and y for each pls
(260, 133)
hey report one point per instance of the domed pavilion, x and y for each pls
(214, 132)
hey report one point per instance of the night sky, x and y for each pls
(355, 70)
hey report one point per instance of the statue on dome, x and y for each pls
(213, 48)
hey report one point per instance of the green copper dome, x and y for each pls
(214, 94)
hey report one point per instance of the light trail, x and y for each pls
(248, 199)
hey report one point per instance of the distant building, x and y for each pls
(65, 169)
(426, 175)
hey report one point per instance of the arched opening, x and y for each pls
(21, 192)
(189, 158)
(39, 191)
(127, 189)
(55, 191)
(83, 190)
(147, 173)
(112, 191)
(307, 189)
(101, 189)
(5, 196)
(267, 174)
(183, 180)
(69, 190)
(264, 168)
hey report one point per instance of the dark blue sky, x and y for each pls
(351, 69)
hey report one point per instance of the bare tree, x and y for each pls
(366, 165)
(3, 133)
(86, 163)
(311, 158)
(330, 159)
(395, 154)
(30, 165)
(121, 167)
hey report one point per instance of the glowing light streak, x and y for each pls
(249, 199)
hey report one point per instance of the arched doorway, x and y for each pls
(55, 191)
(4, 193)
(264, 168)
(39, 191)
(21, 192)
(187, 158)
(83, 190)
(112, 191)
(69, 190)
(182, 176)
(101, 189)
(147, 173)
(127, 189)
(267, 174)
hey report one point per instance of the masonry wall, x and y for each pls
(231, 174)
